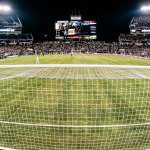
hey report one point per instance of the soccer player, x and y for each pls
(37, 60)
(71, 53)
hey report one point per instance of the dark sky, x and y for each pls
(39, 16)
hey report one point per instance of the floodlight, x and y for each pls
(7, 8)
(4, 8)
(145, 8)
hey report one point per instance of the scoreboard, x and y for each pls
(76, 29)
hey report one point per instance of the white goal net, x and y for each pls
(74, 107)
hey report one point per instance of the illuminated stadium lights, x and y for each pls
(133, 30)
(4, 8)
(145, 8)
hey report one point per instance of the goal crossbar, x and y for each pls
(75, 126)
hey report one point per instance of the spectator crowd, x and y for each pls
(65, 47)
(141, 21)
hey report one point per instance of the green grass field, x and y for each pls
(77, 59)
(99, 108)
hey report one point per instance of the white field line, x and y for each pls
(5, 148)
(73, 66)
(74, 126)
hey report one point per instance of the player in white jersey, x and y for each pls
(37, 60)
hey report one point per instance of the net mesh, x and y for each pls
(70, 107)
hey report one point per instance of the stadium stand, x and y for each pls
(85, 47)
(10, 25)
(15, 50)
(11, 31)
(20, 39)
(59, 47)
(140, 22)
(137, 43)
(134, 45)
(140, 25)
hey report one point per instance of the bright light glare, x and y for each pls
(5, 8)
(145, 8)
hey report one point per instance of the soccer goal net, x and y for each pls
(74, 107)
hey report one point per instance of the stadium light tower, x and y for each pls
(5, 8)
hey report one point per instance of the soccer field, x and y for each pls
(75, 107)
(77, 59)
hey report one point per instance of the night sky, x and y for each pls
(39, 16)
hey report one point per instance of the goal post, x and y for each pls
(70, 107)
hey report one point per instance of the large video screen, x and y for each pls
(75, 29)
(61, 28)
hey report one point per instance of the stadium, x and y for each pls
(75, 92)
